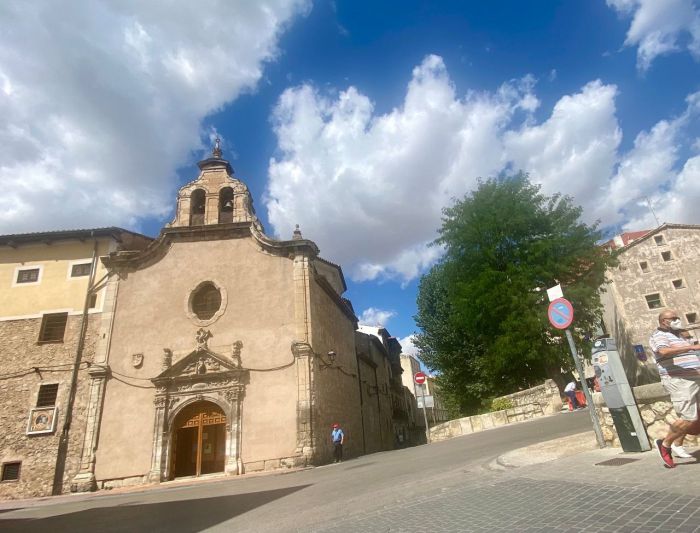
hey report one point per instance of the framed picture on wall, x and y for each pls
(42, 420)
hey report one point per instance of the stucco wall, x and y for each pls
(337, 397)
(151, 315)
(18, 395)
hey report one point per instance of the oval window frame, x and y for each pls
(190, 297)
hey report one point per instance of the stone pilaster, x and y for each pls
(84, 480)
(305, 445)
(234, 463)
(160, 437)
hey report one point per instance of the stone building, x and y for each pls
(217, 351)
(435, 414)
(403, 403)
(47, 282)
(657, 269)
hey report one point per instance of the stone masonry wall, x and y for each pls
(655, 408)
(19, 386)
(531, 403)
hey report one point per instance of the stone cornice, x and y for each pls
(135, 260)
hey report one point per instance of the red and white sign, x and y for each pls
(560, 313)
(419, 378)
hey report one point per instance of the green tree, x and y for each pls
(483, 308)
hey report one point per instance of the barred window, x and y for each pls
(206, 301)
(83, 269)
(29, 275)
(53, 327)
(10, 471)
(47, 395)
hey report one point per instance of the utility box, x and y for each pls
(618, 396)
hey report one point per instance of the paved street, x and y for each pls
(446, 486)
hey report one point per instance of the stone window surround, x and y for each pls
(692, 315)
(666, 254)
(19, 471)
(678, 283)
(661, 303)
(190, 295)
(71, 264)
(30, 283)
(659, 240)
(645, 269)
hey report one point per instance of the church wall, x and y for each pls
(151, 315)
(18, 394)
(337, 397)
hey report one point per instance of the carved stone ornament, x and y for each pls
(159, 401)
(167, 358)
(236, 353)
(137, 360)
(202, 338)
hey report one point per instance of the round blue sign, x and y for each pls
(560, 313)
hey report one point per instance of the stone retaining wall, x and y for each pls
(527, 404)
(655, 408)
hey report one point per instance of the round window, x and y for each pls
(206, 301)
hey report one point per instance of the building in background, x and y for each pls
(657, 269)
(436, 412)
(44, 282)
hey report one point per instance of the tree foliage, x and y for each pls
(483, 308)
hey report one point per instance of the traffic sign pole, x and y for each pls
(420, 378)
(561, 315)
(586, 392)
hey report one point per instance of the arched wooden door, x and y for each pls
(199, 440)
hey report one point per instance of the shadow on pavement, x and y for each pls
(189, 515)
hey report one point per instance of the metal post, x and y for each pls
(586, 392)
(425, 416)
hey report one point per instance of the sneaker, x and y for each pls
(680, 451)
(665, 454)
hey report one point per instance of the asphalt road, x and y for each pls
(315, 499)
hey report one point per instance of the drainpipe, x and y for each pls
(362, 411)
(62, 453)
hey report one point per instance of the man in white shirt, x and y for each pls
(570, 391)
(679, 367)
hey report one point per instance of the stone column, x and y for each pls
(234, 463)
(160, 436)
(305, 444)
(85, 481)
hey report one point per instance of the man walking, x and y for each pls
(337, 438)
(679, 367)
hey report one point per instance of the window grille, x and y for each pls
(53, 327)
(206, 301)
(80, 270)
(29, 275)
(47, 395)
(10, 471)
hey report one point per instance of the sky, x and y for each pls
(359, 121)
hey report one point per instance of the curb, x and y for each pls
(544, 452)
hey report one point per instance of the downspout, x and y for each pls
(62, 453)
(362, 411)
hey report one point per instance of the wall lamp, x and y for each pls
(331, 358)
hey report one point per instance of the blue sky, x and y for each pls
(357, 120)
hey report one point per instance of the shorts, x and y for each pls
(684, 396)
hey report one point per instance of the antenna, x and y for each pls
(652, 211)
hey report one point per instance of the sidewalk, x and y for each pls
(578, 458)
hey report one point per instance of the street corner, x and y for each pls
(544, 452)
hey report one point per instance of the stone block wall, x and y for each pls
(528, 404)
(18, 394)
(655, 408)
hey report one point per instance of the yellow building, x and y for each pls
(44, 281)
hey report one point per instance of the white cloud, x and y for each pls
(407, 346)
(660, 27)
(102, 101)
(369, 187)
(376, 317)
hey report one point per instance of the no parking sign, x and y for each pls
(560, 313)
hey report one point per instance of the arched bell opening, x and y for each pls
(198, 440)
(225, 205)
(197, 207)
